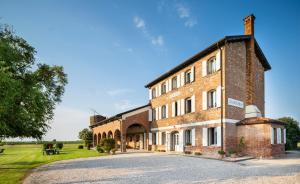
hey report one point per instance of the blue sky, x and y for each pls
(111, 49)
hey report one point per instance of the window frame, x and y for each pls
(176, 109)
(154, 139)
(174, 86)
(187, 76)
(212, 99)
(154, 114)
(153, 91)
(186, 107)
(163, 138)
(212, 65)
(188, 137)
(212, 135)
(163, 112)
(163, 88)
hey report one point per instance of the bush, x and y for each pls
(89, 146)
(188, 144)
(59, 145)
(114, 151)
(188, 152)
(197, 153)
(108, 144)
(231, 151)
(99, 149)
(221, 152)
(80, 146)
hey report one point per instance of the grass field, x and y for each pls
(17, 160)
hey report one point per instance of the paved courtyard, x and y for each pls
(163, 168)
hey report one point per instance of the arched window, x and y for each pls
(187, 77)
(174, 82)
(211, 65)
(212, 99)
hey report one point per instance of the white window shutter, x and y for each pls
(179, 107)
(170, 84)
(219, 91)
(168, 141)
(150, 138)
(193, 137)
(272, 135)
(204, 68)
(150, 94)
(193, 103)
(284, 136)
(167, 111)
(204, 136)
(159, 90)
(173, 109)
(159, 138)
(204, 100)
(181, 137)
(178, 81)
(193, 74)
(182, 78)
(167, 86)
(150, 115)
(159, 112)
(156, 113)
(156, 138)
(219, 136)
(182, 107)
(278, 136)
(218, 60)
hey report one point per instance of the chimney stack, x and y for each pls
(249, 25)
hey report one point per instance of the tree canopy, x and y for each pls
(29, 91)
(86, 135)
(292, 132)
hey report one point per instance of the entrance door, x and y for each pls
(176, 141)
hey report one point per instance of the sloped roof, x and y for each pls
(208, 50)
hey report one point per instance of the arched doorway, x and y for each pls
(117, 137)
(110, 135)
(99, 138)
(95, 139)
(103, 135)
(174, 143)
(135, 137)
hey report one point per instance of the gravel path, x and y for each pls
(163, 168)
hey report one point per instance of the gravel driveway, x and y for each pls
(163, 168)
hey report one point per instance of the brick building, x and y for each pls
(210, 102)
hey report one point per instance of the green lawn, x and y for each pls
(17, 160)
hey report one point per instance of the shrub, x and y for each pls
(231, 151)
(108, 144)
(59, 145)
(114, 151)
(221, 152)
(99, 149)
(188, 152)
(188, 144)
(197, 153)
(89, 146)
(80, 146)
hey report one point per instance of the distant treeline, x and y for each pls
(40, 142)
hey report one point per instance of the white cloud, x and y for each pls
(158, 40)
(141, 25)
(184, 13)
(116, 92)
(124, 105)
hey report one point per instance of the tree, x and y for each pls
(86, 135)
(29, 91)
(292, 132)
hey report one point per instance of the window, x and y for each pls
(163, 88)
(211, 65)
(154, 138)
(153, 93)
(163, 138)
(187, 137)
(188, 105)
(163, 112)
(212, 136)
(212, 99)
(154, 114)
(176, 109)
(187, 77)
(174, 82)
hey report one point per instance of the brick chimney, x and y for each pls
(249, 25)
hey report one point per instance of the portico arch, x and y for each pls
(103, 135)
(110, 134)
(117, 137)
(99, 138)
(95, 139)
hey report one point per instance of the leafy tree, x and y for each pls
(108, 144)
(86, 135)
(292, 132)
(28, 91)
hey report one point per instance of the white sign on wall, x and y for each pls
(175, 94)
(235, 103)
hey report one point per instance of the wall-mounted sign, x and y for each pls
(177, 93)
(235, 103)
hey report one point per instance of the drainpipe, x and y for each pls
(221, 66)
